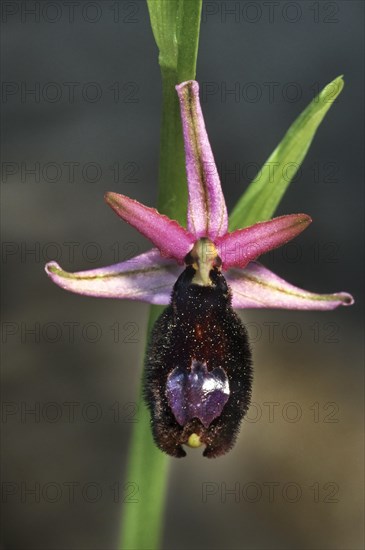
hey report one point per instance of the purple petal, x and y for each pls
(257, 287)
(239, 248)
(207, 212)
(197, 393)
(147, 277)
(171, 239)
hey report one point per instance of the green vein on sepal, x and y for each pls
(117, 274)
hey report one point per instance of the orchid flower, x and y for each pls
(150, 277)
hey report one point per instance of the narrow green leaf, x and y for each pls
(264, 193)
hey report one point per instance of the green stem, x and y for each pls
(173, 25)
(147, 474)
(172, 198)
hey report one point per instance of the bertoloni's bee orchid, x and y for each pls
(198, 365)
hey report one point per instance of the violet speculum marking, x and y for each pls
(198, 365)
(197, 393)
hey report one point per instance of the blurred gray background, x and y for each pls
(81, 100)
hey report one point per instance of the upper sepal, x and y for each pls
(207, 211)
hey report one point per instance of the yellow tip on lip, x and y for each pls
(194, 441)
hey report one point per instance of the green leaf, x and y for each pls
(264, 193)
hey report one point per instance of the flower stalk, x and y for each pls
(142, 522)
